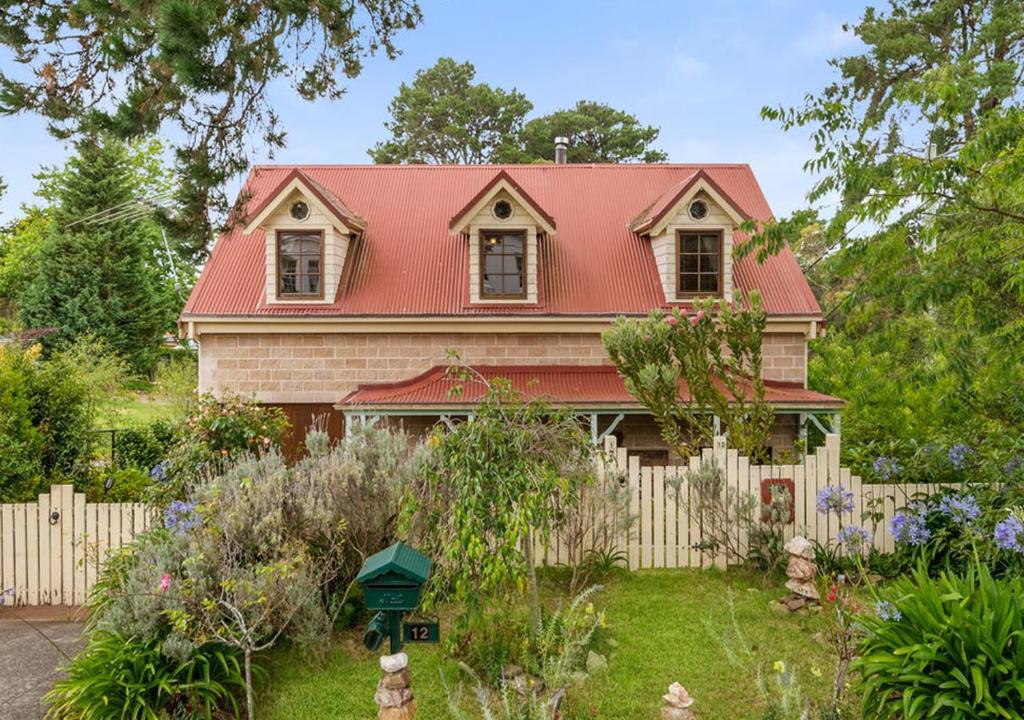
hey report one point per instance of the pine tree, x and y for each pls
(99, 278)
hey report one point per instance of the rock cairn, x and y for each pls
(801, 572)
(677, 704)
(394, 696)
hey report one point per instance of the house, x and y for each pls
(343, 290)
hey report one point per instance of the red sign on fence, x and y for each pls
(767, 486)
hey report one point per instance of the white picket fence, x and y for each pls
(667, 535)
(52, 550)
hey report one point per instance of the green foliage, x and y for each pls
(117, 485)
(597, 133)
(45, 422)
(142, 447)
(945, 647)
(217, 432)
(952, 541)
(921, 139)
(444, 117)
(717, 353)
(121, 678)
(202, 68)
(99, 279)
(492, 490)
(20, 245)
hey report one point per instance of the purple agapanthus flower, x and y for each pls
(886, 467)
(1009, 534)
(834, 498)
(958, 455)
(181, 516)
(854, 538)
(910, 528)
(961, 510)
(888, 612)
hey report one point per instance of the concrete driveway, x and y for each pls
(29, 658)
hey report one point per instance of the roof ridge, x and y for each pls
(486, 166)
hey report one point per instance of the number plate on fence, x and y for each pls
(421, 632)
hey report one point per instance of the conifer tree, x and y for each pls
(99, 278)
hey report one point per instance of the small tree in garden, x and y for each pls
(492, 490)
(716, 353)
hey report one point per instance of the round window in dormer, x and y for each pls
(698, 210)
(503, 209)
(299, 210)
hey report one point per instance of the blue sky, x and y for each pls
(699, 70)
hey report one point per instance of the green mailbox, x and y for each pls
(392, 582)
(393, 579)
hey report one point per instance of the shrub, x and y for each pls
(117, 677)
(258, 552)
(117, 485)
(45, 422)
(947, 530)
(950, 645)
(217, 432)
(138, 448)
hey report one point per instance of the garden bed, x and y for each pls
(666, 624)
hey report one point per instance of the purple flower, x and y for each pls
(888, 612)
(1013, 465)
(886, 467)
(181, 516)
(854, 539)
(957, 456)
(834, 498)
(910, 528)
(1009, 534)
(962, 510)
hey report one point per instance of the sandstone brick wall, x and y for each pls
(785, 357)
(325, 367)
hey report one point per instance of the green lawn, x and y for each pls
(132, 408)
(660, 620)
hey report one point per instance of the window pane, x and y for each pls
(513, 284)
(310, 284)
(690, 263)
(512, 243)
(492, 264)
(689, 283)
(709, 263)
(709, 283)
(709, 243)
(513, 264)
(289, 264)
(689, 244)
(287, 283)
(310, 245)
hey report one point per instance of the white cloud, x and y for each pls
(687, 65)
(826, 38)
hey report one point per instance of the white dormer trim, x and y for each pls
(681, 207)
(310, 197)
(483, 204)
(664, 243)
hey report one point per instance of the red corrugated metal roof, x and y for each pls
(407, 263)
(571, 385)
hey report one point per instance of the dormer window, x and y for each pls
(503, 265)
(300, 261)
(700, 263)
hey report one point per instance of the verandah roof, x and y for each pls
(584, 387)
